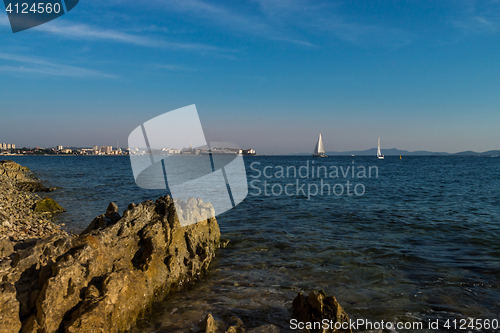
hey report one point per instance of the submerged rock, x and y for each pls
(209, 325)
(48, 205)
(34, 187)
(104, 279)
(233, 325)
(316, 307)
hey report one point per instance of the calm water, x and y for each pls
(421, 244)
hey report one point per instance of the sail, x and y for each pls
(378, 150)
(319, 149)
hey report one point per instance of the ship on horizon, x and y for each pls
(379, 153)
(319, 150)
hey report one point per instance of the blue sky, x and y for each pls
(263, 74)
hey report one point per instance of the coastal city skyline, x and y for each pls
(8, 149)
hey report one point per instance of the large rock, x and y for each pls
(108, 276)
(15, 171)
(48, 206)
(9, 309)
(209, 325)
(316, 307)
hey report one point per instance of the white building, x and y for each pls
(106, 150)
(7, 146)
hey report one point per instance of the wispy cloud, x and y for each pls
(294, 21)
(482, 17)
(41, 66)
(180, 68)
(218, 15)
(319, 18)
(477, 24)
(87, 32)
(248, 21)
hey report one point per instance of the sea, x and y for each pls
(412, 241)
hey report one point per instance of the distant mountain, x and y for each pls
(387, 152)
(491, 153)
(397, 152)
(467, 153)
(473, 153)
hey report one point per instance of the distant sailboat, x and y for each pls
(319, 150)
(379, 154)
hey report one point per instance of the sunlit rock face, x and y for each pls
(104, 279)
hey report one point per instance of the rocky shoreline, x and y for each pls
(101, 280)
(110, 275)
(24, 215)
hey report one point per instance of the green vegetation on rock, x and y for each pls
(48, 205)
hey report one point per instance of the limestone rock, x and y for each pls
(316, 307)
(234, 325)
(13, 170)
(9, 309)
(106, 220)
(209, 324)
(107, 277)
(6, 247)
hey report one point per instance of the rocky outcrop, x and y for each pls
(316, 307)
(12, 170)
(23, 215)
(108, 276)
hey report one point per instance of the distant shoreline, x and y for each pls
(397, 152)
(67, 155)
(390, 156)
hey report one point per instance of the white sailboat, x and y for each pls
(379, 154)
(319, 150)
